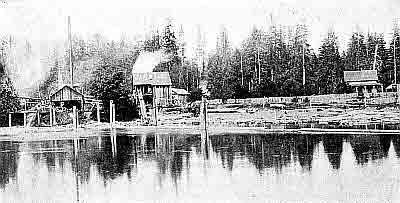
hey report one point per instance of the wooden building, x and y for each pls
(67, 97)
(152, 86)
(179, 96)
(364, 81)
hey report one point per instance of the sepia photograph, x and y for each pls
(275, 101)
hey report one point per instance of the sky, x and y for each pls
(44, 22)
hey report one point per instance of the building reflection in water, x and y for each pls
(112, 156)
(8, 162)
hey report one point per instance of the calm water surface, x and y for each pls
(120, 166)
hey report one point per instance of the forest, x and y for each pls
(278, 61)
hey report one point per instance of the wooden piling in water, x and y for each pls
(203, 113)
(24, 119)
(155, 114)
(9, 120)
(98, 112)
(75, 117)
(51, 116)
(111, 112)
(38, 118)
(54, 116)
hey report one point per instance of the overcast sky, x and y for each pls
(45, 20)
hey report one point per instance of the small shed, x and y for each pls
(179, 96)
(363, 81)
(67, 97)
(153, 85)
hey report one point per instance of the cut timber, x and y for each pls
(347, 131)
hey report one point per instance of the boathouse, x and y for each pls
(152, 86)
(363, 81)
(67, 97)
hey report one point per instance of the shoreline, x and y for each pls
(62, 133)
(314, 120)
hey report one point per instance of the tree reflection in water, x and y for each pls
(333, 147)
(113, 155)
(370, 147)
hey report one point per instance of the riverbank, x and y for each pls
(311, 120)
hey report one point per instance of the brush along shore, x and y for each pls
(249, 120)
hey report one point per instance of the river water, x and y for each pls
(119, 166)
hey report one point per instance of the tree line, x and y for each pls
(267, 63)
(280, 62)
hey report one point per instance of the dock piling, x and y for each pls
(38, 117)
(111, 112)
(51, 116)
(98, 112)
(75, 117)
(9, 120)
(24, 119)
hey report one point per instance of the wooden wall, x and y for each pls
(66, 94)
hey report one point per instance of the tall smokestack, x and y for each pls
(71, 69)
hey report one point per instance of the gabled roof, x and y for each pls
(151, 78)
(360, 76)
(59, 96)
(179, 91)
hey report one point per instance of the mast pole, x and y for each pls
(71, 69)
(241, 67)
(304, 69)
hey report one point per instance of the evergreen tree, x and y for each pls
(330, 70)
(8, 97)
(356, 56)
(394, 43)
(174, 64)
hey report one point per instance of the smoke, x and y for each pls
(25, 64)
(147, 61)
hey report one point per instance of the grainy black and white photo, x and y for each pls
(276, 101)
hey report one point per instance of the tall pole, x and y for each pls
(71, 70)
(259, 65)
(376, 54)
(255, 67)
(241, 67)
(394, 59)
(304, 70)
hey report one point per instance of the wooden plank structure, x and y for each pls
(179, 96)
(67, 96)
(363, 81)
(153, 84)
(151, 90)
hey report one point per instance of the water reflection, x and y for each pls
(8, 162)
(370, 148)
(168, 158)
(333, 147)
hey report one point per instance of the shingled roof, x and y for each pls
(360, 76)
(151, 78)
